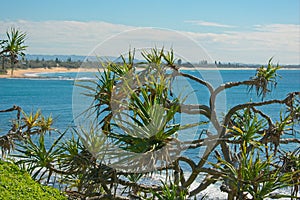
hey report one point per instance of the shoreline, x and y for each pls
(33, 72)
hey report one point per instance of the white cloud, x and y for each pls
(64, 37)
(264, 41)
(211, 24)
(73, 37)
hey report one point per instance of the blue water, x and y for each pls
(51, 96)
(54, 96)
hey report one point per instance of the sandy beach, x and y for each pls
(30, 72)
(23, 73)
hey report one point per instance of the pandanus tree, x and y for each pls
(131, 131)
(13, 47)
(2, 44)
(145, 99)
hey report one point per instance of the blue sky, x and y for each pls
(229, 31)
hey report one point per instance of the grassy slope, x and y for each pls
(17, 184)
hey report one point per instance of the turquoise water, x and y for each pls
(54, 96)
(51, 96)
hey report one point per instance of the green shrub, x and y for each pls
(17, 184)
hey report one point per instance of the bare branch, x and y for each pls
(194, 78)
(233, 84)
(195, 109)
(268, 118)
(289, 140)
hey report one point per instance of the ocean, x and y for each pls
(54, 97)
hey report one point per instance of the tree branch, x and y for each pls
(194, 78)
(233, 110)
(195, 109)
(289, 140)
(233, 84)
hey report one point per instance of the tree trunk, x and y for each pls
(12, 68)
(230, 196)
(3, 59)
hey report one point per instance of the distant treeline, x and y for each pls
(69, 63)
(229, 65)
(41, 63)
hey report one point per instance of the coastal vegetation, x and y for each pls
(12, 48)
(40, 63)
(130, 134)
(51, 62)
(17, 184)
